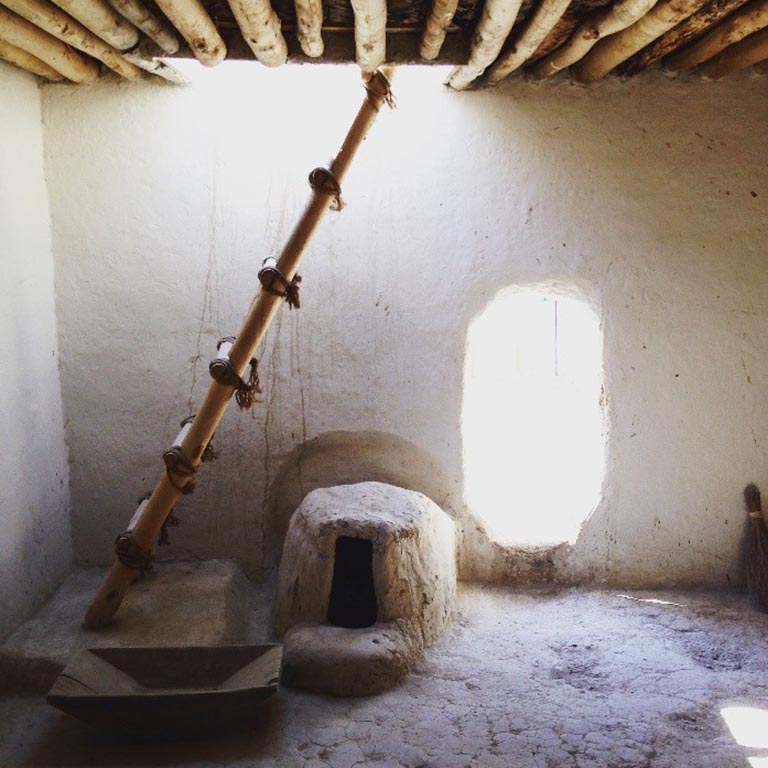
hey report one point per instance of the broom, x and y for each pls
(757, 548)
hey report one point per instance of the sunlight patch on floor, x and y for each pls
(748, 726)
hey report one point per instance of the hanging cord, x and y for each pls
(271, 274)
(323, 180)
(170, 522)
(210, 453)
(222, 370)
(380, 90)
(245, 396)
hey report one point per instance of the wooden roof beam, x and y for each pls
(608, 22)
(436, 27)
(261, 29)
(309, 25)
(103, 21)
(51, 19)
(532, 36)
(751, 50)
(155, 28)
(370, 33)
(26, 61)
(751, 18)
(491, 32)
(557, 36)
(195, 25)
(609, 53)
(681, 34)
(20, 33)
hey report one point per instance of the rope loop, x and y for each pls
(177, 465)
(131, 555)
(271, 274)
(323, 180)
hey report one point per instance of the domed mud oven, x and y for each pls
(367, 580)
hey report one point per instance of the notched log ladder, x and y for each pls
(279, 282)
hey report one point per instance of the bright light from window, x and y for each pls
(749, 727)
(532, 420)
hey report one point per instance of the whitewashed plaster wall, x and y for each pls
(35, 537)
(650, 195)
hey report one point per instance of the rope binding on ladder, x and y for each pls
(130, 554)
(379, 90)
(275, 282)
(222, 370)
(176, 463)
(323, 180)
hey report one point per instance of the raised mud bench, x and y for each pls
(367, 580)
(176, 604)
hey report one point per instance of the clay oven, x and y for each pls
(367, 580)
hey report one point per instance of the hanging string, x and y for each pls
(245, 395)
(170, 522)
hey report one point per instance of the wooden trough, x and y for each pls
(169, 691)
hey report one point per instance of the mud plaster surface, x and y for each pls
(522, 679)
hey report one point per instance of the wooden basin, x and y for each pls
(163, 691)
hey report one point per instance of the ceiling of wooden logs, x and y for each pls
(486, 40)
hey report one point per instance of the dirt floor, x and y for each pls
(567, 678)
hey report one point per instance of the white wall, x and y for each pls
(35, 539)
(649, 195)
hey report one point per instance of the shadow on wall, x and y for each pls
(342, 458)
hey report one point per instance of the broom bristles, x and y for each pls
(757, 548)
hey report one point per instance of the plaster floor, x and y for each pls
(567, 678)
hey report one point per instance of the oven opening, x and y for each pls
(353, 595)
